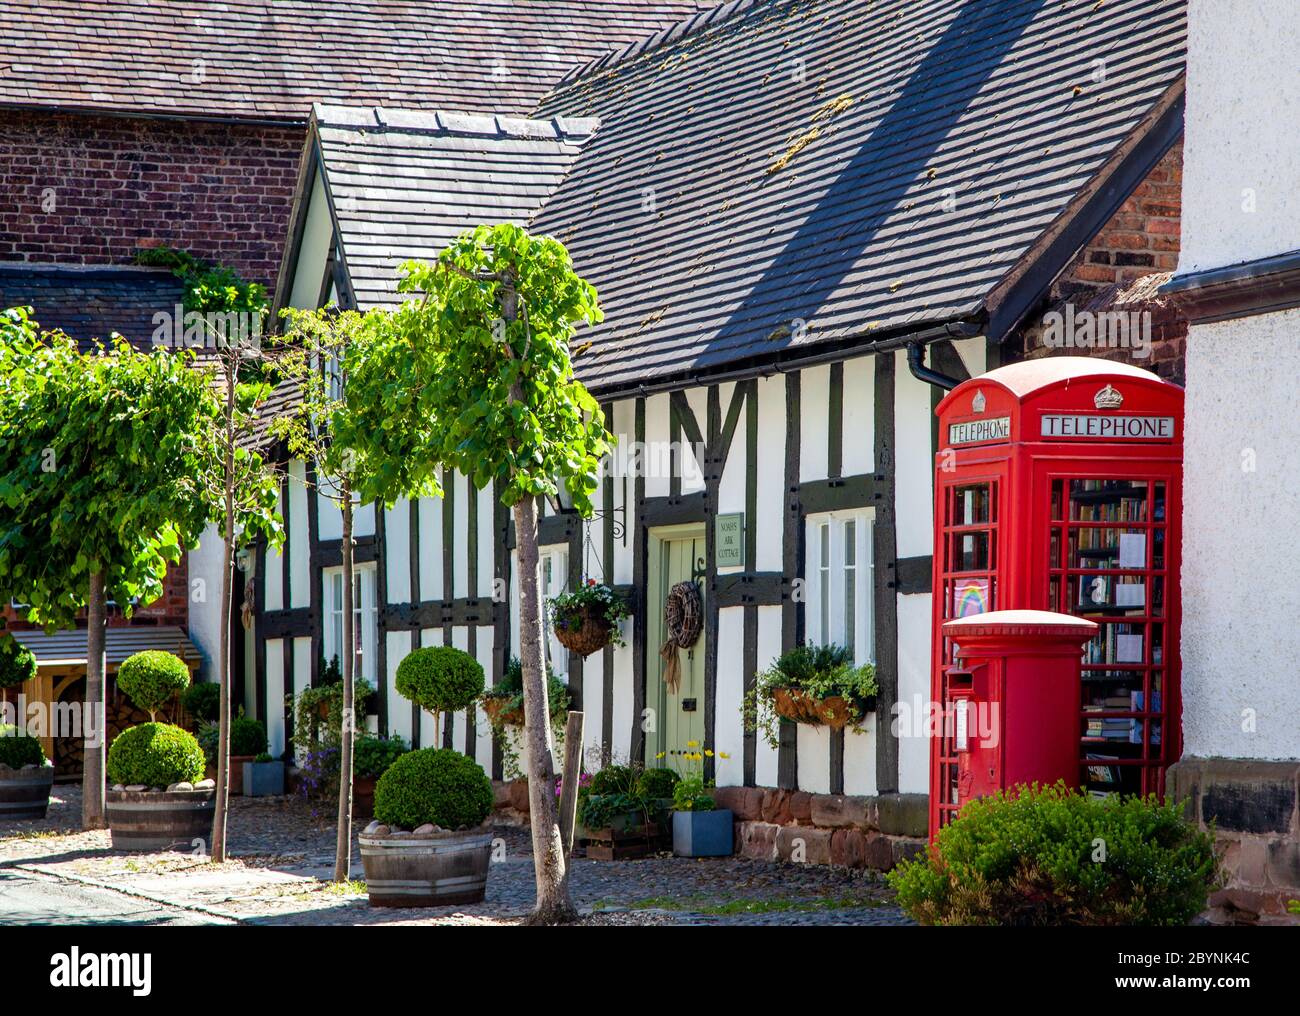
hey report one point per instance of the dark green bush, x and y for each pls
(247, 736)
(657, 783)
(155, 755)
(1055, 856)
(208, 735)
(17, 664)
(614, 779)
(152, 677)
(202, 701)
(441, 679)
(18, 750)
(435, 785)
(371, 756)
(597, 811)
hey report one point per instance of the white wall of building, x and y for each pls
(1241, 145)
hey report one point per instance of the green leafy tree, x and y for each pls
(104, 466)
(484, 354)
(327, 355)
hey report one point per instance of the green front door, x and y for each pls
(676, 714)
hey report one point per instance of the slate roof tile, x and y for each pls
(273, 58)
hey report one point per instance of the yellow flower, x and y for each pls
(661, 754)
(692, 744)
(709, 752)
(723, 754)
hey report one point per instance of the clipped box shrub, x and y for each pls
(17, 664)
(18, 749)
(657, 784)
(155, 755)
(434, 785)
(440, 679)
(247, 736)
(151, 679)
(202, 701)
(1054, 856)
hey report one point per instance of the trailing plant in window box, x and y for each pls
(1040, 856)
(818, 685)
(503, 704)
(587, 619)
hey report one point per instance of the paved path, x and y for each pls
(27, 898)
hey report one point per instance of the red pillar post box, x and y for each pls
(1010, 712)
(1058, 487)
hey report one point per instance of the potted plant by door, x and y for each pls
(700, 827)
(247, 741)
(371, 758)
(816, 685)
(263, 777)
(157, 801)
(587, 619)
(26, 775)
(428, 845)
(621, 813)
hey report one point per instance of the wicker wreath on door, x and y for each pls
(683, 622)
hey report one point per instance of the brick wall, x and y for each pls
(92, 189)
(172, 608)
(1119, 273)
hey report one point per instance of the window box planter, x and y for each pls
(263, 779)
(801, 707)
(25, 793)
(434, 870)
(160, 819)
(703, 833)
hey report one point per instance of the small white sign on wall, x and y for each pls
(729, 545)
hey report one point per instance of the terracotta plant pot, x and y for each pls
(405, 870)
(586, 631)
(832, 711)
(25, 793)
(160, 820)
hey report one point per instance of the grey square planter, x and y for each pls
(263, 779)
(702, 833)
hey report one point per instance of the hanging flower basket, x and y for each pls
(586, 620)
(583, 630)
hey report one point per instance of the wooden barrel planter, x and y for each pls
(25, 793)
(405, 870)
(160, 820)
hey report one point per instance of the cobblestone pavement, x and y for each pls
(281, 856)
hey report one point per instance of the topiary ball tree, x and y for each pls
(17, 664)
(440, 679)
(155, 755)
(17, 749)
(434, 785)
(247, 737)
(151, 678)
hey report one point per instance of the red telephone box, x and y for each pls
(1058, 487)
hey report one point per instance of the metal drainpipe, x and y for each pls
(916, 364)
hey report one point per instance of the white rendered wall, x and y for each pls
(1241, 563)
(1241, 145)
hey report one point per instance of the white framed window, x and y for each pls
(840, 574)
(365, 615)
(553, 566)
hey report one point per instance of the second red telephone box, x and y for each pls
(1058, 486)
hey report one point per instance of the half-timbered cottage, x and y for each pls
(804, 220)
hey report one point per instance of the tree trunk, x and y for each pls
(92, 781)
(224, 653)
(343, 845)
(554, 905)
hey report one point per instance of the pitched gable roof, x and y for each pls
(271, 59)
(403, 184)
(775, 175)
